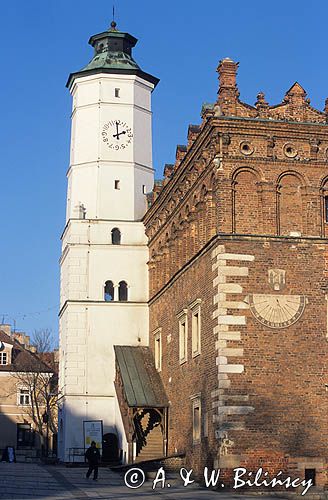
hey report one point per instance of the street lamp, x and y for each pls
(45, 419)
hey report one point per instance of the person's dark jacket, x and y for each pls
(92, 455)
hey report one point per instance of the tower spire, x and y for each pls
(113, 24)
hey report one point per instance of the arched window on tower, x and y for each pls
(116, 236)
(109, 291)
(123, 291)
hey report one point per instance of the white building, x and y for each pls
(104, 276)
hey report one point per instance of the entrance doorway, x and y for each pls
(25, 436)
(110, 448)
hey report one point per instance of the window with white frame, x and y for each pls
(24, 397)
(183, 336)
(196, 418)
(3, 358)
(195, 328)
(158, 349)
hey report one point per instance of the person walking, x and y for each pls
(93, 457)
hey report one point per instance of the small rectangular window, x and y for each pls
(117, 92)
(144, 189)
(196, 419)
(195, 327)
(3, 358)
(117, 184)
(24, 397)
(183, 336)
(158, 350)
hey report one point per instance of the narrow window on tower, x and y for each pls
(116, 236)
(117, 92)
(144, 189)
(117, 184)
(122, 291)
(109, 291)
(326, 208)
(158, 349)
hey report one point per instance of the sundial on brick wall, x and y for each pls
(276, 310)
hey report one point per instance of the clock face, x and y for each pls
(117, 135)
(277, 311)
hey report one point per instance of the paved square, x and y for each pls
(33, 481)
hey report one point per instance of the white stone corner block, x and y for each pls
(230, 288)
(231, 368)
(236, 256)
(221, 360)
(234, 271)
(219, 249)
(231, 320)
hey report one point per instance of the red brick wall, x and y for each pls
(196, 375)
(285, 370)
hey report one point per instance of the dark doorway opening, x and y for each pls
(110, 448)
(25, 436)
(310, 474)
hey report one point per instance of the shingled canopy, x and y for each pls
(142, 384)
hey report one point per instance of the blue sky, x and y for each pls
(180, 42)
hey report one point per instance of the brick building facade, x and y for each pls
(238, 285)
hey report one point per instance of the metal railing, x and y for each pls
(76, 455)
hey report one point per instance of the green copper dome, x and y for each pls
(113, 54)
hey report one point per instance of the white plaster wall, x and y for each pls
(75, 410)
(94, 328)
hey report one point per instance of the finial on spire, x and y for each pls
(113, 23)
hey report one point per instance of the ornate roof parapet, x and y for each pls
(294, 107)
(262, 105)
(151, 197)
(168, 172)
(207, 110)
(193, 131)
(179, 155)
(228, 91)
(326, 109)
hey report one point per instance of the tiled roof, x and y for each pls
(22, 359)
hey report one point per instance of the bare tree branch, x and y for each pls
(43, 340)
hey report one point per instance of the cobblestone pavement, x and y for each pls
(23, 481)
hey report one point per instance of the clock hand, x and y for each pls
(118, 133)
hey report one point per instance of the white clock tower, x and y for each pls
(104, 276)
